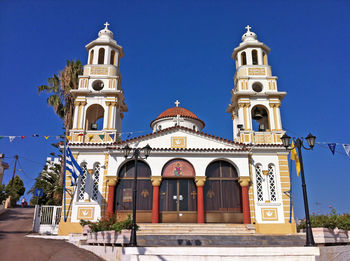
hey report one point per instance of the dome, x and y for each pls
(249, 36)
(105, 33)
(173, 112)
(177, 116)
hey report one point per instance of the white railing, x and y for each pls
(46, 219)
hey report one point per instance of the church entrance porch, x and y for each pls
(178, 201)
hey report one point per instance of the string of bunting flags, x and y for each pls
(332, 146)
(57, 137)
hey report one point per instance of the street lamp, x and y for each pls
(298, 143)
(137, 153)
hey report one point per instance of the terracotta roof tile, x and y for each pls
(173, 112)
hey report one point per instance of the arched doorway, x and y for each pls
(222, 194)
(123, 192)
(178, 193)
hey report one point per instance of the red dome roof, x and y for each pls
(173, 112)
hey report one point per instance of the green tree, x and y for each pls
(2, 193)
(15, 188)
(48, 180)
(61, 99)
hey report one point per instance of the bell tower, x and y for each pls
(255, 102)
(99, 99)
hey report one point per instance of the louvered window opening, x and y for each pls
(272, 183)
(259, 183)
(96, 178)
(82, 182)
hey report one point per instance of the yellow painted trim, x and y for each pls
(66, 228)
(245, 117)
(276, 229)
(79, 116)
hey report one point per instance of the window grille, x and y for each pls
(272, 183)
(259, 183)
(82, 182)
(95, 180)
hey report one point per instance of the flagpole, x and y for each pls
(64, 181)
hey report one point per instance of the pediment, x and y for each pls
(181, 138)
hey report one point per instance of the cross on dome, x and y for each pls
(106, 24)
(248, 28)
(177, 103)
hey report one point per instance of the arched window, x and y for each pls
(112, 60)
(255, 57)
(222, 192)
(101, 56)
(272, 183)
(91, 57)
(260, 118)
(243, 58)
(264, 58)
(95, 181)
(82, 183)
(123, 195)
(94, 117)
(259, 183)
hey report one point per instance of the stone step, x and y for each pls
(221, 240)
(195, 229)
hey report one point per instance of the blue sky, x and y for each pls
(182, 50)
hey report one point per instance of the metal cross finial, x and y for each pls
(248, 28)
(106, 24)
(177, 103)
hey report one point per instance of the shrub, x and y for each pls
(331, 221)
(108, 224)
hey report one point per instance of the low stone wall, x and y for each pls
(335, 253)
(2, 209)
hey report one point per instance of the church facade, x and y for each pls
(190, 176)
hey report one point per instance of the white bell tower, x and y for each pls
(255, 102)
(99, 99)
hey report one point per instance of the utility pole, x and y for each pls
(14, 170)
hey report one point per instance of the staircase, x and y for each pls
(228, 235)
(195, 229)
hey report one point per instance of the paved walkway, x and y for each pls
(16, 223)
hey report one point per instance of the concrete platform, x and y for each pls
(109, 253)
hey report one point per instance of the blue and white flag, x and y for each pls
(347, 149)
(332, 147)
(72, 166)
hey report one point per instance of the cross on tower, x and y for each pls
(248, 28)
(177, 103)
(106, 24)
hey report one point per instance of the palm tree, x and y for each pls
(48, 180)
(61, 99)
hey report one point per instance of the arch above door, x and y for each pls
(178, 168)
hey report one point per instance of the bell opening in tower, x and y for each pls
(260, 119)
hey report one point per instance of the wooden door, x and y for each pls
(178, 199)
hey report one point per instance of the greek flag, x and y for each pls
(72, 166)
